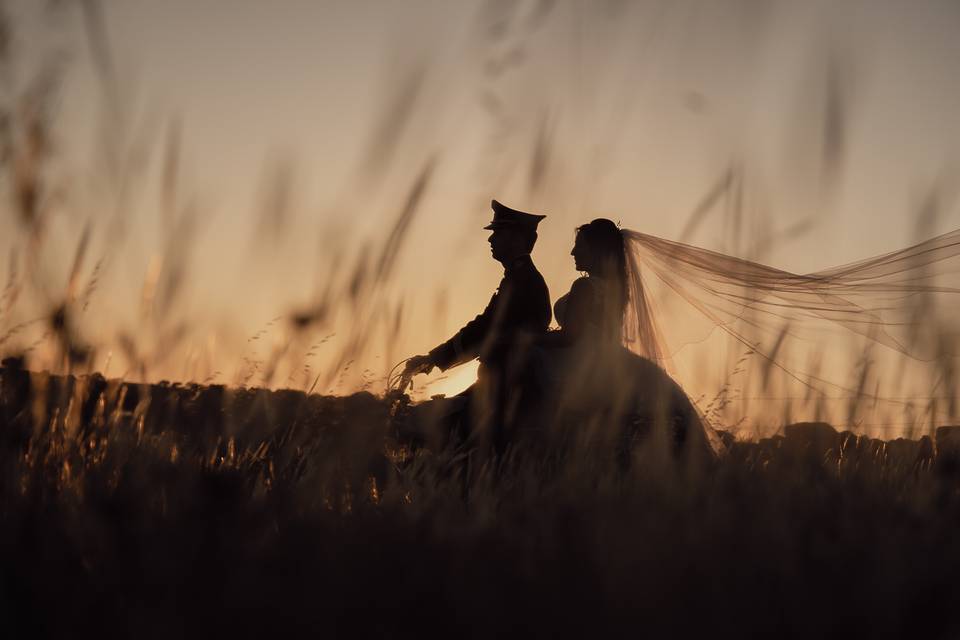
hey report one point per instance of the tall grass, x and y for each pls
(174, 509)
(147, 511)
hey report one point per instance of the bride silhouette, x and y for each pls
(887, 322)
(593, 391)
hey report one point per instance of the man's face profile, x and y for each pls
(504, 243)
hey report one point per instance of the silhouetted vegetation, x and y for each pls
(151, 511)
(185, 509)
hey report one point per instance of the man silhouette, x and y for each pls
(501, 335)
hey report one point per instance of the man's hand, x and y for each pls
(418, 364)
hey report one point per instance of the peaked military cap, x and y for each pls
(504, 216)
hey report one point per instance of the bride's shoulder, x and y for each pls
(581, 294)
(581, 282)
(584, 285)
(580, 288)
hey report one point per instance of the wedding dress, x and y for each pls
(594, 391)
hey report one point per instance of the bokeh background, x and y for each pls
(292, 194)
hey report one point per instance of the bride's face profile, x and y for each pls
(598, 248)
(581, 254)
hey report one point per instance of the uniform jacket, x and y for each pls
(517, 312)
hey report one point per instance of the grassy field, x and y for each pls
(163, 511)
(166, 511)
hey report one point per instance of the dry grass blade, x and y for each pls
(539, 14)
(835, 121)
(32, 152)
(174, 266)
(11, 289)
(864, 367)
(6, 35)
(398, 233)
(73, 282)
(358, 278)
(719, 190)
(398, 111)
(91, 287)
(171, 172)
(276, 203)
(495, 18)
(99, 43)
(770, 358)
(541, 155)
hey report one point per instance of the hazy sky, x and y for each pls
(839, 115)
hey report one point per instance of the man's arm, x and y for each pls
(465, 345)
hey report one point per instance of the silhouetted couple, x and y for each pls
(578, 385)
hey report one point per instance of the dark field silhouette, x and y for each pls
(194, 510)
(170, 510)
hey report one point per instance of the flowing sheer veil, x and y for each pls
(875, 338)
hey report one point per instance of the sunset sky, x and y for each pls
(839, 117)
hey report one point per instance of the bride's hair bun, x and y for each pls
(603, 233)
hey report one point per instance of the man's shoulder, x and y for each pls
(525, 269)
(531, 280)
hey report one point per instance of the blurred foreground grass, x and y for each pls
(168, 511)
